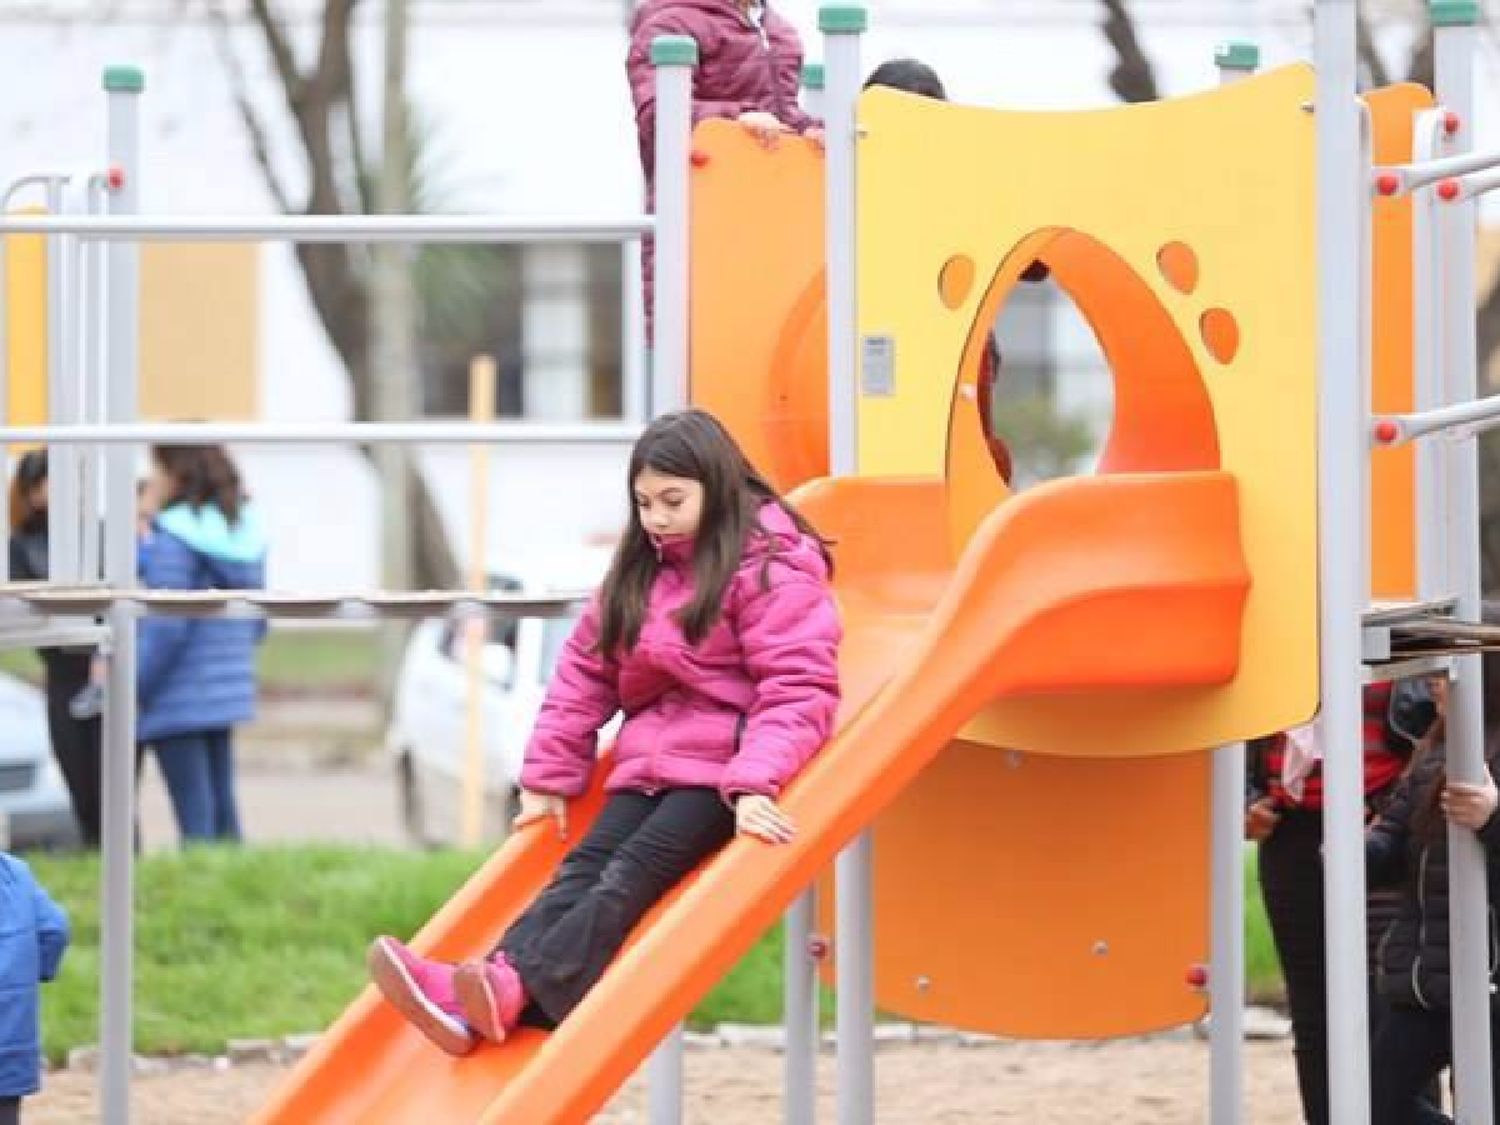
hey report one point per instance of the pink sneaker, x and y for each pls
(422, 991)
(490, 996)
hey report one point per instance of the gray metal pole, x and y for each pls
(800, 1013)
(843, 25)
(333, 228)
(91, 392)
(1343, 489)
(1226, 981)
(62, 482)
(1468, 933)
(123, 85)
(635, 397)
(1431, 482)
(814, 81)
(801, 1010)
(674, 57)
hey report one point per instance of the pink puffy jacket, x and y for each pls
(742, 711)
(740, 68)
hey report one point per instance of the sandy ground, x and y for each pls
(1157, 1082)
(1161, 1082)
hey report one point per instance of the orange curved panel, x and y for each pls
(1093, 904)
(757, 333)
(1393, 471)
(911, 680)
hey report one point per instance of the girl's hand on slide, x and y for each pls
(762, 818)
(1470, 806)
(764, 127)
(540, 806)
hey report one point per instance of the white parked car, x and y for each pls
(429, 723)
(35, 811)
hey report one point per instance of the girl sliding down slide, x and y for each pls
(715, 632)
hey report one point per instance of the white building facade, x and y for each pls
(526, 111)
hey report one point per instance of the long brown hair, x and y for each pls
(30, 475)
(201, 474)
(694, 445)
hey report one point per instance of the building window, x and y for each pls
(549, 313)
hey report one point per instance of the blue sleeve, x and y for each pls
(167, 563)
(52, 932)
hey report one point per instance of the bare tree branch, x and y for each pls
(281, 49)
(1423, 60)
(1376, 72)
(1133, 78)
(254, 126)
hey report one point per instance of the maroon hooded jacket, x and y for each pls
(741, 67)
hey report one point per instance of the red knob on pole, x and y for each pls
(1448, 190)
(699, 159)
(115, 177)
(1452, 122)
(1197, 976)
(1387, 183)
(818, 948)
(1387, 432)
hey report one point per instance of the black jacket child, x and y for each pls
(1408, 845)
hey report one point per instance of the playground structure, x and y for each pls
(1014, 665)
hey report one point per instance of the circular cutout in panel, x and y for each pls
(1221, 334)
(1178, 263)
(956, 280)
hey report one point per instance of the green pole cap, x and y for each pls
(674, 50)
(836, 19)
(1455, 13)
(124, 79)
(1237, 54)
(813, 75)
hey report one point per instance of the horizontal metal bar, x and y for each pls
(1391, 612)
(29, 602)
(1405, 668)
(333, 228)
(1472, 187)
(36, 179)
(1410, 177)
(326, 433)
(1464, 419)
(34, 634)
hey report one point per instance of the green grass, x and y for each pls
(267, 942)
(298, 661)
(307, 661)
(241, 943)
(1262, 969)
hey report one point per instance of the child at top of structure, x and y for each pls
(715, 632)
(749, 67)
(749, 70)
(33, 937)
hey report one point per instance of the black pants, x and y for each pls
(75, 743)
(10, 1110)
(638, 850)
(1412, 1047)
(1291, 883)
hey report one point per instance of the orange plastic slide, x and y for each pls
(1152, 561)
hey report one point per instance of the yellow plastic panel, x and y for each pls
(26, 327)
(1214, 364)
